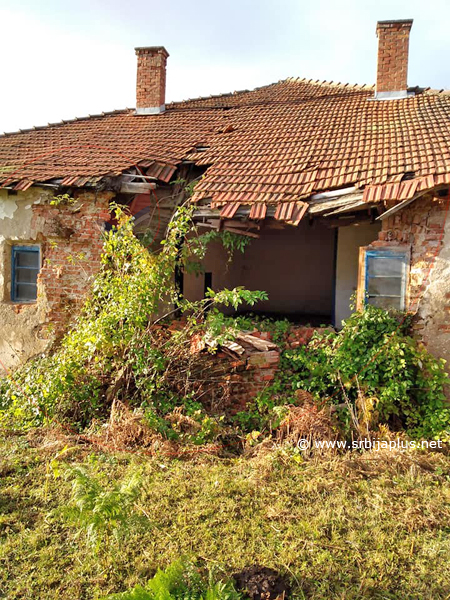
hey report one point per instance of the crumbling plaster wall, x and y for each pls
(70, 240)
(424, 227)
(434, 310)
(21, 333)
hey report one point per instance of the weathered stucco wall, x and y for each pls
(21, 326)
(70, 240)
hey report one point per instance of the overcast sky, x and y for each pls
(61, 59)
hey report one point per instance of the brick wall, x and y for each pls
(424, 227)
(418, 226)
(151, 77)
(393, 46)
(71, 244)
(250, 374)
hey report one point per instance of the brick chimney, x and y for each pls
(392, 68)
(151, 80)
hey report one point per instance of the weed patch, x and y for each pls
(354, 526)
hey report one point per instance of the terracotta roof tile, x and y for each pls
(258, 210)
(229, 210)
(280, 143)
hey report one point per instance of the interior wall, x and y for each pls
(350, 239)
(295, 266)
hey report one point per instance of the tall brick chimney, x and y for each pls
(392, 68)
(151, 80)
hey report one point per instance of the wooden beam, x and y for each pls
(343, 222)
(241, 232)
(136, 188)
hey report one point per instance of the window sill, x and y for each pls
(18, 304)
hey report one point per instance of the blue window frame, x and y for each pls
(26, 264)
(385, 278)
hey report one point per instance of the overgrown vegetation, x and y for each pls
(80, 523)
(372, 366)
(118, 355)
(115, 349)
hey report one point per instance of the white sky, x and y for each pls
(61, 58)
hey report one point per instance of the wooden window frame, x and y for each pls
(362, 272)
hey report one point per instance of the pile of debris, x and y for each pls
(226, 375)
(248, 365)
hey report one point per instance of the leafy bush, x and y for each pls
(372, 355)
(180, 581)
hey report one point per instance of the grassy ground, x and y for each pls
(351, 527)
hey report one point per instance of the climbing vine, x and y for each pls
(114, 348)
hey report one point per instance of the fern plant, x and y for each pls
(180, 581)
(103, 513)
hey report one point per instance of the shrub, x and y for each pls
(373, 356)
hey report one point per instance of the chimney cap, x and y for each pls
(151, 50)
(406, 23)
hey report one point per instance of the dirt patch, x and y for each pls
(261, 583)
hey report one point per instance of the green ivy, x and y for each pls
(374, 355)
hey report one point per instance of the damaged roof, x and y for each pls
(280, 143)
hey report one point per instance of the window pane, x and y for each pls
(26, 275)
(385, 282)
(25, 270)
(25, 292)
(388, 267)
(27, 258)
(384, 286)
(386, 303)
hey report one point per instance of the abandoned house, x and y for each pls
(341, 188)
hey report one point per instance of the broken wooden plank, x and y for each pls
(230, 345)
(258, 343)
(234, 347)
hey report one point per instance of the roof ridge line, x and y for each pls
(224, 94)
(325, 82)
(66, 121)
(318, 82)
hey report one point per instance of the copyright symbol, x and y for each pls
(302, 444)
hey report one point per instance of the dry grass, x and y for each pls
(307, 422)
(126, 429)
(353, 526)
